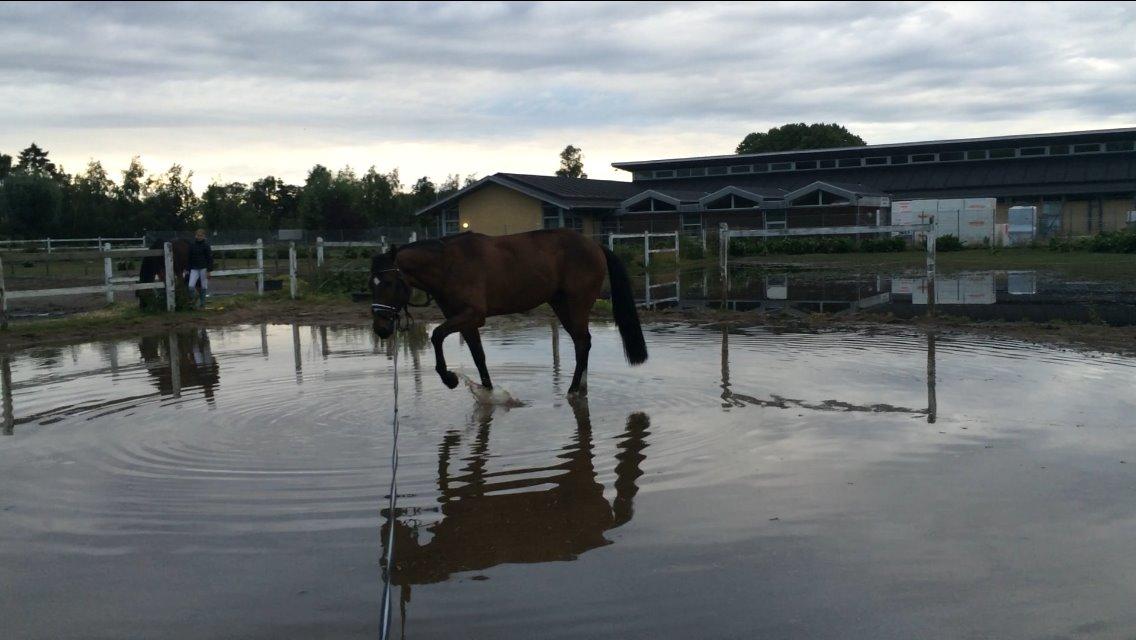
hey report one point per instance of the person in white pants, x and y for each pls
(200, 264)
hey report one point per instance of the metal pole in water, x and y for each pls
(931, 268)
(388, 568)
(6, 382)
(932, 402)
(3, 298)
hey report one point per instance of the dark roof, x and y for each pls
(964, 144)
(1051, 175)
(569, 193)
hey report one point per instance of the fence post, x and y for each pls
(723, 245)
(3, 298)
(676, 249)
(171, 290)
(108, 273)
(413, 237)
(646, 250)
(292, 267)
(931, 268)
(319, 252)
(49, 245)
(703, 241)
(260, 266)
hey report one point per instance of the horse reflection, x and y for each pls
(499, 517)
(180, 360)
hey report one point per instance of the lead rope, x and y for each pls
(388, 567)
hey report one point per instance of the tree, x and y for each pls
(794, 136)
(169, 202)
(451, 185)
(5, 165)
(571, 163)
(33, 161)
(30, 205)
(273, 202)
(91, 206)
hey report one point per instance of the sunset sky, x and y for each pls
(235, 91)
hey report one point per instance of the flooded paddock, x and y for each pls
(740, 484)
(1013, 296)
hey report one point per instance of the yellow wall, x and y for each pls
(1074, 215)
(495, 210)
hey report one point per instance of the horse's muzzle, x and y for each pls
(384, 320)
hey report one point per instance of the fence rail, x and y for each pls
(50, 244)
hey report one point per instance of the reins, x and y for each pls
(388, 568)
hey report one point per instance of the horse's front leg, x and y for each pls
(473, 339)
(467, 319)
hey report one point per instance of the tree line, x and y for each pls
(39, 199)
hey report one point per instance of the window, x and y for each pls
(716, 171)
(732, 201)
(923, 157)
(552, 216)
(950, 156)
(781, 166)
(899, 159)
(1086, 148)
(1032, 151)
(775, 219)
(740, 168)
(692, 222)
(450, 222)
(1059, 150)
(698, 171)
(848, 162)
(806, 164)
(650, 205)
(878, 160)
(665, 173)
(1118, 146)
(827, 164)
(682, 173)
(642, 175)
(575, 222)
(1001, 153)
(761, 167)
(976, 154)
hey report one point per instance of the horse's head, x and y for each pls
(389, 293)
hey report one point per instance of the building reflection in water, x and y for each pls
(537, 514)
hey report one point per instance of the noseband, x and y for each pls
(390, 311)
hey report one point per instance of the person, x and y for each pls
(200, 264)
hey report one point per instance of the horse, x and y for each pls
(473, 276)
(153, 268)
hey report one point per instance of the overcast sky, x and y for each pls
(239, 91)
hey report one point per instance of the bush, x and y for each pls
(1107, 242)
(690, 248)
(883, 245)
(948, 243)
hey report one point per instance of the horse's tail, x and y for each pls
(623, 309)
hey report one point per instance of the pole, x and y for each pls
(723, 246)
(646, 250)
(292, 267)
(319, 252)
(703, 241)
(260, 266)
(108, 273)
(171, 290)
(3, 298)
(676, 249)
(388, 566)
(175, 364)
(931, 268)
(932, 402)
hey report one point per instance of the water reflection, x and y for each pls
(532, 514)
(179, 360)
(980, 295)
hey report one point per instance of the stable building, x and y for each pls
(1081, 182)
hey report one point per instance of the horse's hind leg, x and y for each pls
(473, 339)
(575, 321)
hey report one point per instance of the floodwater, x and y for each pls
(741, 484)
(1036, 296)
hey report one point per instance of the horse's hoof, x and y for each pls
(449, 378)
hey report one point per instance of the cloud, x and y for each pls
(284, 78)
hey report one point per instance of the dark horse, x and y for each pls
(153, 268)
(474, 276)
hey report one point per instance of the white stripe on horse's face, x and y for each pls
(376, 281)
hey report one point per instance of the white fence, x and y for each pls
(53, 244)
(258, 271)
(646, 237)
(111, 283)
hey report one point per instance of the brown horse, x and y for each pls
(474, 276)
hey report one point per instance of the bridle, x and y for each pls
(399, 313)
